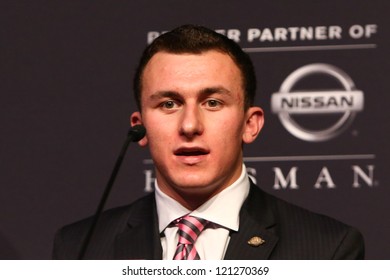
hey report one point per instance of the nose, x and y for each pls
(191, 123)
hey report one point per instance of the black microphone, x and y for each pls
(135, 134)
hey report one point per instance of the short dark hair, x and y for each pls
(197, 39)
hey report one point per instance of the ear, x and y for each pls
(253, 125)
(136, 118)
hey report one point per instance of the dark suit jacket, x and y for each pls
(290, 232)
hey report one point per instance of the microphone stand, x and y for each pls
(135, 134)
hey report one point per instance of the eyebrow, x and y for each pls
(212, 90)
(204, 92)
(165, 94)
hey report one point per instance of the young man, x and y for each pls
(195, 92)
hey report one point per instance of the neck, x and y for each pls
(192, 198)
(192, 201)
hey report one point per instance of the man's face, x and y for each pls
(193, 112)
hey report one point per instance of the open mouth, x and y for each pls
(188, 152)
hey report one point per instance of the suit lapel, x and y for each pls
(256, 220)
(141, 239)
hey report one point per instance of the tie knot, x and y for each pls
(190, 228)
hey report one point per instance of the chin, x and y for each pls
(195, 187)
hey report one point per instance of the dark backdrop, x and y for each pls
(65, 83)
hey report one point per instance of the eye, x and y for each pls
(169, 105)
(213, 103)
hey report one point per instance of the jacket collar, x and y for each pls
(256, 220)
(141, 239)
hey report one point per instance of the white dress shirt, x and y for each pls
(222, 209)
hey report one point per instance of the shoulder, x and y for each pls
(68, 239)
(116, 217)
(320, 235)
(286, 213)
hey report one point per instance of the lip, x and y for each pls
(191, 155)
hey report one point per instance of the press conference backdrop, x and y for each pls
(66, 79)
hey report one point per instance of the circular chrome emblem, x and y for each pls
(287, 103)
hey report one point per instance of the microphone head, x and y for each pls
(136, 132)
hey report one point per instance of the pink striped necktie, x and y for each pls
(189, 229)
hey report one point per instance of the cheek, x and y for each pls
(230, 128)
(228, 135)
(159, 137)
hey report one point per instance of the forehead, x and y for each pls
(178, 69)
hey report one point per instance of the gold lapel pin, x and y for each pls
(256, 241)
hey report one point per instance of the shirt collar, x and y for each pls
(222, 209)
